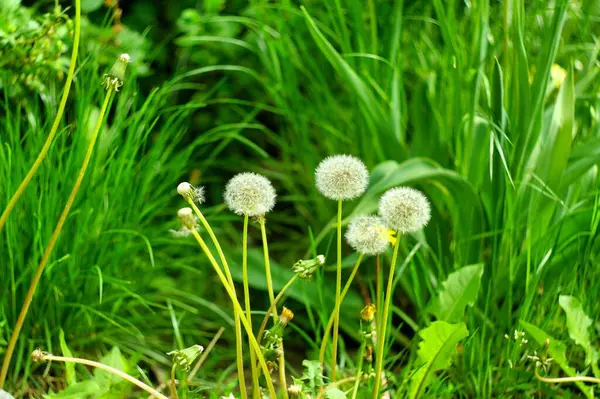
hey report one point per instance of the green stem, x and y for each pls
(342, 296)
(255, 386)
(273, 305)
(173, 384)
(338, 287)
(361, 353)
(53, 239)
(238, 327)
(238, 309)
(560, 380)
(263, 232)
(381, 336)
(53, 129)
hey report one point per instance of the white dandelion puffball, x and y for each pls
(342, 177)
(187, 218)
(368, 235)
(250, 194)
(404, 209)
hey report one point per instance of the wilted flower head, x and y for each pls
(183, 358)
(187, 218)
(368, 312)
(404, 209)
(368, 235)
(189, 192)
(286, 316)
(342, 177)
(114, 78)
(305, 268)
(250, 194)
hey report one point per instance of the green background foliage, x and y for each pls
(489, 107)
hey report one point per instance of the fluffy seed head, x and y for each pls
(368, 235)
(405, 209)
(342, 177)
(189, 192)
(250, 194)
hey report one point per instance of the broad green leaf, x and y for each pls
(91, 5)
(557, 351)
(80, 390)
(335, 393)
(113, 359)
(456, 293)
(70, 367)
(578, 324)
(313, 374)
(438, 343)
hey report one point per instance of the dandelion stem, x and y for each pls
(361, 354)
(338, 287)
(173, 384)
(238, 308)
(384, 322)
(263, 232)
(238, 327)
(255, 392)
(53, 239)
(48, 357)
(342, 296)
(273, 305)
(53, 130)
(561, 380)
(209, 348)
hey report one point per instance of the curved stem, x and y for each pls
(53, 239)
(53, 129)
(561, 380)
(384, 322)
(125, 376)
(204, 355)
(238, 308)
(361, 354)
(174, 384)
(342, 296)
(263, 325)
(338, 287)
(238, 327)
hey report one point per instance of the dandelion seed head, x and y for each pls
(368, 235)
(250, 194)
(187, 218)
(405, 209)
(341, 177)
(189, 192)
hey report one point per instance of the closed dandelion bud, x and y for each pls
(114, 78)
(250, 194)
(183, 358)
(295, 391)
(286, 316)
(342, 177)
(368, 235)
(368, 313)
(191, 193)
(305, 268)
(404, 209)
(187, 218)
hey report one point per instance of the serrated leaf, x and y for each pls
(557, 351)
(313, 374)
(439, 341)
(83, 389)
(70, 367)
(114, 360)
(578, 324)
(335, 393)
(457, 292)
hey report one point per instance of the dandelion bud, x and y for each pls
(250, 194)
(342, 177)
(114, 78)
(368, 313)
(295, 390)
(404, 209)
(305, 268)
(183, 358)
(191, 193)
(187, 217)
(368, 235)
(286, 316)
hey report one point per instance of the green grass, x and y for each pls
(454, 98)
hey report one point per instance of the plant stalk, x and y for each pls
(338, 287)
